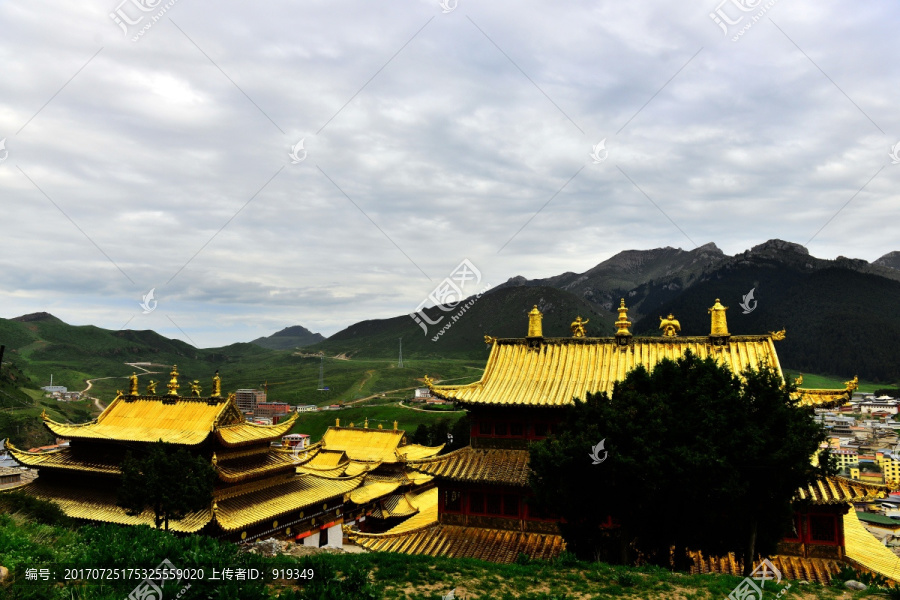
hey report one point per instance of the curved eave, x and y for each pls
(822, 397)
(276, 462)
(839, 490)
(250, 433)
(59, 459)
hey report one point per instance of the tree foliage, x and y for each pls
(171, 482)
(436, 434)
(698, 458)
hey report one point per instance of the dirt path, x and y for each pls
(428, 411)
(90, 382)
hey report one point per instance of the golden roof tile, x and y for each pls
(818, 570)
(248, 433)
(864, 550)
(418, 452)
(243, 511)
(368, 445)
(98, 503)
(821, 397)
(372, 491)
(464, 542)
(478, 464)
(239, 469)
(560, 369)
(68, 459)
(839, 490)
(426, 502)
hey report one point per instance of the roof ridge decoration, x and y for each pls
(534, 323)
(718, 322)
(622, 324)
(173, 382)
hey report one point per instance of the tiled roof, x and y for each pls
(824, 397)
(242, 511)
(248, 433)
(560, 369)
(818, 570)
(371, 491)
(494, 545)
(97, 503)
(478, 465)
(864, 550)
(273, 461)
(838, 490)
(427, 504)
(67, 458)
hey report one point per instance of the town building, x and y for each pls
(247, 400)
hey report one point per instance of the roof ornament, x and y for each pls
(428, 381)
(337, 422)
(151, 387)
(852, 384)
(133, 384)
(777, 336)
(578, 327)
(195, 388)
(395, 425)
(215, 509)
(489, 339)
(366, 424)
(718, 327)
(380, 426)
(799, 381)
(217, 385)
(215, 460)
(534, 323)
(44, 414)
(670, 326)
(173, 382)
(622, 323)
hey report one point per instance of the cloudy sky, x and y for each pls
(149, 146)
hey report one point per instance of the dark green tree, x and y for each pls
(169, 480)
(698, 458)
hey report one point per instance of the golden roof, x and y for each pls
(821, 397)
(477, 464)
(98, 503)
(556, 370)
(818, 570)
(239, 512)
(373, 490)
(864, 550)
(248, 433)
(373, 445)
(426, 502)
(417, 451)
(495, 545)
(66, 458)
(838, 490)
(239, 469)
(395, 505)
(176, 420)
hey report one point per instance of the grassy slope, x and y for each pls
(24, 542)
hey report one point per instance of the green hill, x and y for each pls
(500, 313)
(289, 338)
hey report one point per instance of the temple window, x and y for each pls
(515, 429)
(494, 504)
(511, 505)
(500, 428)
(476, 502)
(822, 528)
(484, 428)
(452, 501)
(541, 430)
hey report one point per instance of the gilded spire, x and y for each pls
(133, 385)
(151, 387)
(366, 424)
(217, 385)
(173, 382)
(215, 460)
(395, 425)
(622, 323)
(534, 323)
(719, 327)
(195, 388)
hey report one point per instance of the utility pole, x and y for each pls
(400, 362)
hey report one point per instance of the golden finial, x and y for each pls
(428, 381)
(719, 326)
(337, 422)
(173, 382)
(578, 327)
(44, 414)
(151, 388)
(215, 508)
(133, 385)
(217, 385)
(799, 381)
(366, 424)
(351, 423)
(669, 325)
(777, 336)
(852, 384)
(215, 460)
(622, 323)
(195, 388)
(489, 340)
(380, 426)
(395, 425)
(534, 323)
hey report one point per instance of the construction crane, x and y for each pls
(267, 384)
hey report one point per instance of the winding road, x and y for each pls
(90, 382)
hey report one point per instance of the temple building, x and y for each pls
(482, 509)
(261, 489)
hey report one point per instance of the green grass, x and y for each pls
(408, 420)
